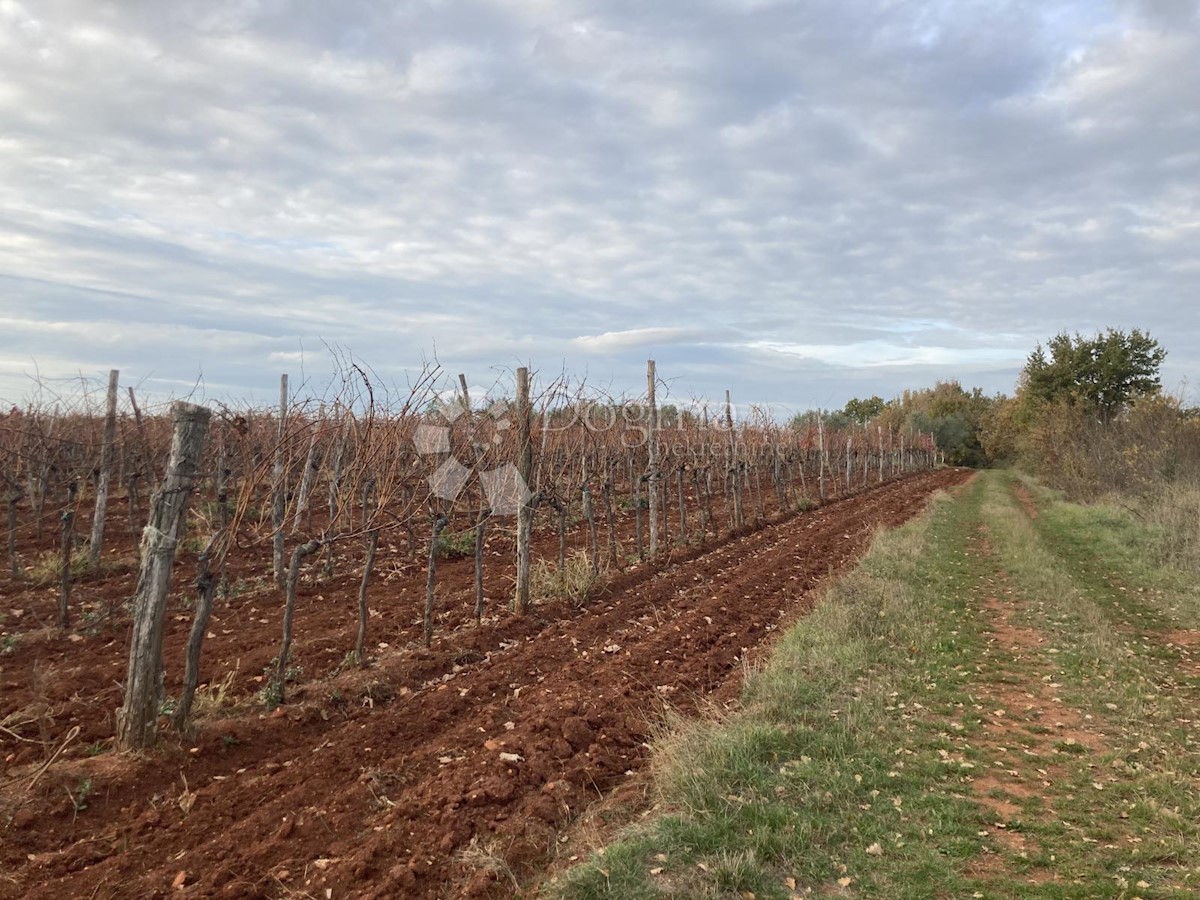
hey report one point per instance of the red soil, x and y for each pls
(370, 782)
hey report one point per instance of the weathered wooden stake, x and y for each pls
(609, 519)
(68, 544)
(739, 516)
(525, 509)
(105, 476)
(821, 451)
(483, 512)
(223, 511)
(278, 489)
(652, 456)
(137, 719)
(879, 429)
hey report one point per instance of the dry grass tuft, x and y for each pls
(574, 583)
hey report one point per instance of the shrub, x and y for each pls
(455, 544)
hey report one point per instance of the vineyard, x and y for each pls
(386, 641)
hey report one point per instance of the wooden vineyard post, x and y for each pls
(879, 429)
(821, 452)
(484, 512)
(652, 455)
(223, 512)
(68, 544)
(782, 471)
(105, 476)
(683, 532)
(739, 516)
(137, 460)
(607, 492)
(278, 492)
(525, 502)
(137, 719)
(849, 456)
(589, 515)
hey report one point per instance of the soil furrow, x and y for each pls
(373, 783)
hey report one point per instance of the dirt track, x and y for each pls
(370, 782)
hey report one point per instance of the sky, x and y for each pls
(801, 201)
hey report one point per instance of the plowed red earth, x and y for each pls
(370, 783)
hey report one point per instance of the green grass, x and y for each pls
(863, 757)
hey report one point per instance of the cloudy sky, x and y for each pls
(803, 201)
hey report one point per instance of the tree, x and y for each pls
(1103, 374)
(834, 420)
(1002, 429)
(947, 411)
(863, 411)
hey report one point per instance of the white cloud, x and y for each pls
(882, 354)
(615, 341)
(795, 200)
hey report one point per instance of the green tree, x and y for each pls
(1103, 374)
(834, 420)
(863, 411)
(952, 415)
